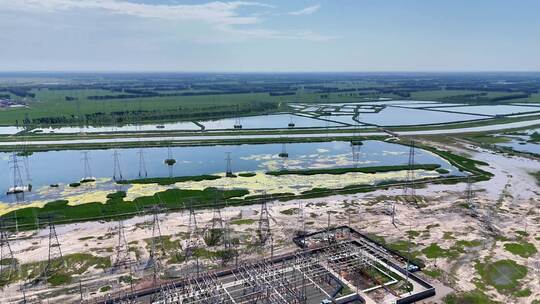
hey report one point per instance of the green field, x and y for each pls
(49, 103)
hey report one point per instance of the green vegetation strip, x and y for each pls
(462, 163)
(75, 264)
(376, 169)
(115, 207)
(170, 180)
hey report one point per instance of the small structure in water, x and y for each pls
(170, 161)
(18, 184)
(283, 153)
(237, 122)
(228, 171)
(291, 123)
(88, 177)
(19, 189)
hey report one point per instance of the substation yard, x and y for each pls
(471, 252)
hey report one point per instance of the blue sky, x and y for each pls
(269, 36)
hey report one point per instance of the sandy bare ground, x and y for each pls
(509, 202)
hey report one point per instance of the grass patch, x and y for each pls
(434, 273)
(470, 297)
(336, 171)
(524, 250)
(434, 251)
(86, 238)
(412, 233)
(447, 235)
(289, 211)
(473, 243)
(522, 293)
(489, 139)
(75, 264)
(105, 288)
(243, 222)
(400, 247)
(504, 275)
(522, 233)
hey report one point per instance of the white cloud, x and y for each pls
(223, 16)
(306, 11)
(221, 13)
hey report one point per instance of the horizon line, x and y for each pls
(262, 72)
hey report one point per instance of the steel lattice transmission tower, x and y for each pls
(18, 184)
(409, 190)
(194, 239)
(228, 170)
(55, 259)
(86, 167)
(301, 220)
(264, 232)
(470, 196)
(142, 164)
(122, 258)
(356, 147)
(214, 235)
(156, 245)
(117, 170)
(229, 249)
